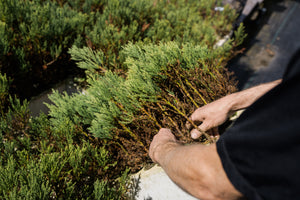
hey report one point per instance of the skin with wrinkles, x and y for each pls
(197, 168)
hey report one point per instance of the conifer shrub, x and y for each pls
(163, 85)
(4, 87)
(3, 41)
(35, 35)
(38, 31)
(156, 21)
(40, 161)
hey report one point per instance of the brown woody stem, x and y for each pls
(189, 120)
(133, 135)
(196, 91)
(171, 120)
(151, 117)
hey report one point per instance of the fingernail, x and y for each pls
(194, 135)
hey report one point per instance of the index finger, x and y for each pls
(194, 120)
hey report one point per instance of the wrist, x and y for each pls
(162, 151)
(238, 101)
(232, 103)
(243, 99)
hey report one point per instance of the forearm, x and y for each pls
(184, 170)
(245, 98)
(197, 169)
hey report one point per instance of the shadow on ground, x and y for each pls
(273, 37)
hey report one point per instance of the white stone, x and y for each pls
(154, 184)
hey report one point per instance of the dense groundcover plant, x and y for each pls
(148, 64)
(37, 34)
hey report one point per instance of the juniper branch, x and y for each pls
(188, 119)
(181, 85)
(127, 129)
(151, 117)
(132, 135)
(171, 120)
(121, 146)
(196, 91)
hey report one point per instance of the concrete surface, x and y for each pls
(154, 184)
(273, 41)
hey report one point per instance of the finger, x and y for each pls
(189, 124)
(164, 131)
(164, 135)
(204, 127)
(196, 115)
(195, 133)
(195, 118)
(215, 131)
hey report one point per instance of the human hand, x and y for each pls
(217, 112)
(209, 117)
(161, 143)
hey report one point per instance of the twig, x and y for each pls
(181, 85)
(174, 124)
(133, 135)
(151, 117)
(121, 146)
(196, 91)
(189, 120)
(127, 129)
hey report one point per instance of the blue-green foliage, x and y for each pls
(4, 87)
(49, 174)
(39, 28)
(111, 99)
(40, 168)
(102, 191)
(19, 182)
(39, 32)
(86, 58)
(40, 160)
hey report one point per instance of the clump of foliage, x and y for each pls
(36, 35)
(39, 161)
(163, 85)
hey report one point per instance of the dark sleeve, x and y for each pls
(261, 152)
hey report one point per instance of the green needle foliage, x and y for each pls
(163, 85)
(39, 160)
(37, 33)
(4, 87)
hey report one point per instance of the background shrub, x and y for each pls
(36, 35)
